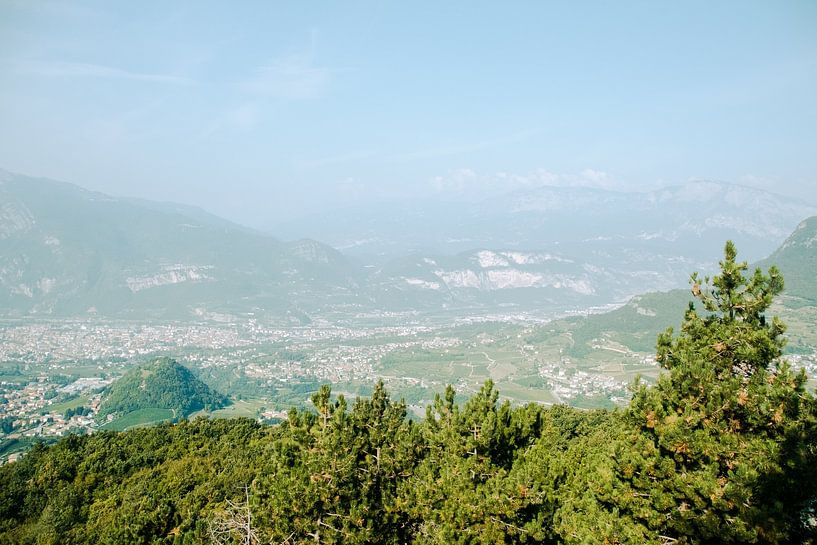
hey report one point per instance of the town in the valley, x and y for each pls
(53, 374)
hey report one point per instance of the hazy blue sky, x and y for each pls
(263, 110)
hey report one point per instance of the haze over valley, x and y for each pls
(95, 284)
(73, 253)
(408, 273)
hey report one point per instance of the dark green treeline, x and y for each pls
(721, 450)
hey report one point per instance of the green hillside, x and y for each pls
(797, 260)
(162, 389)
(720, 450)
(637, 324)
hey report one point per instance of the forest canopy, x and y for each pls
(720, 450)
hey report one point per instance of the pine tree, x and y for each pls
(727, 435)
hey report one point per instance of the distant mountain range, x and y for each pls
(693, 219)
(65, 251)
(552, 247)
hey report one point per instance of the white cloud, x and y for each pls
(61, 69)
(338, 159)
(596, 178)
(292, 77)
(244, 116)
(465, 182)
(53, 9)
(467, 147)
(241, 117)
(456, 181)
(351, 189)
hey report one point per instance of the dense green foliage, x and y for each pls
(721, 450)
(160, 384)
(78, 411)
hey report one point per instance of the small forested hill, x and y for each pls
(160, 384)
(723, 449)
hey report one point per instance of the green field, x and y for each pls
(509, 355)
(63, 406)
(241, 408)
(140, 417)
(524, 394)
(14, 372)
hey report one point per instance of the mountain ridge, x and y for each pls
(65, 250)
(68, 251)
(516, 220)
